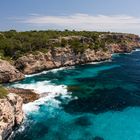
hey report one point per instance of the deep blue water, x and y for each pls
(87, 102)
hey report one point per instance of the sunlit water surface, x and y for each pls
(88, 102)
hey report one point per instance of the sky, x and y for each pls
(92, 15)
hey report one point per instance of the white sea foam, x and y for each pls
(109, 60)
(136, 50)
(34, 106)
(47, 71)
(117, 54)
(45, 87)
(21, 128)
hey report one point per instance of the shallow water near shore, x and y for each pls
(87, 102)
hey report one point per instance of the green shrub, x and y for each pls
(3, 92)
(14, 44)
(64, 43)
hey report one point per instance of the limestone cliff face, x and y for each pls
(66, 56)
(125, 48)
(58, 57)
(9, 73)
(128, 42)
(11, 114)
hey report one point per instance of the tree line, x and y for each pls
(14, 44)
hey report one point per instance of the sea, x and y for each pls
(95, 101)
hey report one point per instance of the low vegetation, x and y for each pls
(3, 92)
(14, 44)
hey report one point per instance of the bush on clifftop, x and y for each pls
(14, 44)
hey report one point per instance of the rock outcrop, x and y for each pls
(27, 95)
(66, 56)
(11, 114)
(58, 57)
(123, 48)
(9, 73)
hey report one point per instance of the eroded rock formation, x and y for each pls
(27, 95)
(9, 73)
(66, 56)
(56, 58)
(11, 114)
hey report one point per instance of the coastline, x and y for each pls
(72, 66)
(45, 96)
(37, 103)
(58, 59)
(72, 50)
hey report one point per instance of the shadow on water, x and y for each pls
(83, 121)
(99, 88)
(38, 133)
(103, 100)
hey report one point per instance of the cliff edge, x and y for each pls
(58, 57)
(11, 114)
(60, 51)
(8, 73)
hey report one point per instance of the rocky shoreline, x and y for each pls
(11, 114)
(60, 57)
(26, 94)
(57, 57)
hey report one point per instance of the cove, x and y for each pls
(88, 102)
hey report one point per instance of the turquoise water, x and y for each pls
(88, 102)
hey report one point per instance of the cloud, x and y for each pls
(34, 14)
(85, 22)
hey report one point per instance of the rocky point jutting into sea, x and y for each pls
(11, 113)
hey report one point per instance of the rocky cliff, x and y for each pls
(11, 114)
(58, 57)
(68, 51)
(9, 73)
(123, 48)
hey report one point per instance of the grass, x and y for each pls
(3, 92)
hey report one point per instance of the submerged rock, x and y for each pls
(98, 138)
(9, 73)
(11, 114)
(83, 121)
